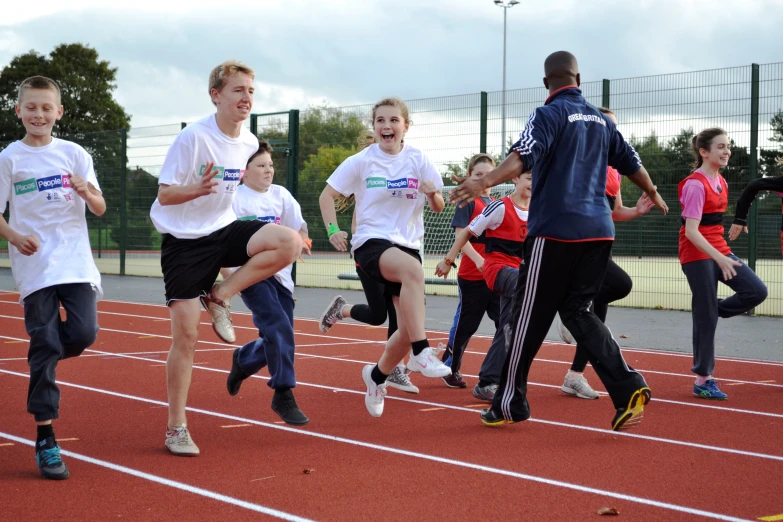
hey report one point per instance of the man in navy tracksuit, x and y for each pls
(567, 143)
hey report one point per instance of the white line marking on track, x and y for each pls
(170, 483)
(378, 447)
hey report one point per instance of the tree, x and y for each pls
(86, 83)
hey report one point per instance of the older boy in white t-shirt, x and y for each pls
(201, 234)
(48, 183)
(272, 300)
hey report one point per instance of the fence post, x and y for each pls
(754, 165)
(123, 201)
(292, 165)
(605, 93)
(483, 124)
(254, 124)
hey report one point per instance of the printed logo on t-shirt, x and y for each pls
(52, 182)
(220, 170)
(376, 182)
(263, 219)
(66, 181)
(53, 196)
(403, 183)
(231, 174)
(412, 195)
(23, 187)
(397, 193)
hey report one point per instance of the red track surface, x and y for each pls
(427, 458)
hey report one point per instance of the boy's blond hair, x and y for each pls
(37, 82)
(218, 76)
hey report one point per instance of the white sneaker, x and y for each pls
(428, 364)
(565, 335)
(375, 393)
(220, 313)
(399, 379)
(333, 314)
(179, 443)
(579, 387)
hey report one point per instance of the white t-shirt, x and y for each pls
(35, 182)
(276, 205)
(386, 187)
(492, 217)
(184, 165)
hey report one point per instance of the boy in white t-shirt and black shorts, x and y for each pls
(201, 234)
(390, 181)
(48, 183)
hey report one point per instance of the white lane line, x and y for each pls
(361, 341)
(361, 325)
(170, 483)
(422, 456)
(541, 421)
(342, 359)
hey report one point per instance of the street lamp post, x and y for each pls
(506, 5)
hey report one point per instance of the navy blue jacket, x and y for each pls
(568, 144)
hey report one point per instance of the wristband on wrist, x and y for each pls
(332, 229)
(450, 262)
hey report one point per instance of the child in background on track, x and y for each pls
(504, 222)
(706, 257)
(271, 301)
(475, 297)
(616, 285)
(379, 300)
(390, 182)
(746, 199)
(48, 182)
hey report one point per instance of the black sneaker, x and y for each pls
(454, 381)
(235, 376)
(284, 404)
(627, 418)
(491, 418)
(47, 456)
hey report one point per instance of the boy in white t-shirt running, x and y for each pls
(390, 182)
(48, 183)
(201, 234)
(272, 300)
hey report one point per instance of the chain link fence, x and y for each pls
(657, 114)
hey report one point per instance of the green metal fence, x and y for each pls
(657, 114)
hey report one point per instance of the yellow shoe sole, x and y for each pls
(633, 415)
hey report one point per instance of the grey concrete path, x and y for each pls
(750, 337)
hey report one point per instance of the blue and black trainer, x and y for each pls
(50, 464)
(709, 390)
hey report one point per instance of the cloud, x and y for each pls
(346, 52)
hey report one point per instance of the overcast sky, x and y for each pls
(347, 52)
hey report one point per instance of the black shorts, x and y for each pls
(368, 255)
(191, 266)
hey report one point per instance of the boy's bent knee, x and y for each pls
(79, 341)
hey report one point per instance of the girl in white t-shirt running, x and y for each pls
(390, 182)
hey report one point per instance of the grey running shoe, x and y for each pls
(579, 387)
(50, 464)
(220, 312)
(399, 379)
(333, 314)
(179, 443)
(485, 393)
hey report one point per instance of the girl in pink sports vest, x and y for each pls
(706, 258)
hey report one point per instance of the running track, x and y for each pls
(427, 458)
